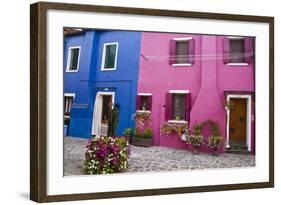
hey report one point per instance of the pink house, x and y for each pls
(187, 78)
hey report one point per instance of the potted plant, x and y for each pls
(215, 140)
(143, 139)
(144, 107)
(196, 140)
(177, 117)
(128, 133)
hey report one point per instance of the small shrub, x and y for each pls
(147, 133)
(214, 141)
(127, 132)
(106, 155)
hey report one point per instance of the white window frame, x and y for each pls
(178, 92)
(68, 59)
(144, 94)
(236, 64)
(69, 95)
(184, 39)
(104, 54)
(249, 119)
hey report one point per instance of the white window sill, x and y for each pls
(71, 71)
(145, 94)
(182, 64)
(177, 121)
(237, 64)
(179, 91)
(107, 69)
(144, 111)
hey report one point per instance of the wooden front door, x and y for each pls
(238, 121)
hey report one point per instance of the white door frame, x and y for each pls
(97, 110)
(248, 123)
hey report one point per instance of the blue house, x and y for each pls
(100, 67)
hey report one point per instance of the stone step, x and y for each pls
(237, 151)
(236, 146)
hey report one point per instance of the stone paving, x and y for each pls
(153, 159)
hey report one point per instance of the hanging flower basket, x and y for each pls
(169, 129)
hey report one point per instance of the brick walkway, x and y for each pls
(155, 159)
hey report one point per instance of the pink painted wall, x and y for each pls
(206, 79)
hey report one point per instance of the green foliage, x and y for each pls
(214, 141)
(147, 133)
(127, 132)
(197, 128)
(196, 141)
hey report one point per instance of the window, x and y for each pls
(73, 59)
(238, 50)
(144, 102)
(178, 105)
(68, 100)
(181, 52)
(109, 58)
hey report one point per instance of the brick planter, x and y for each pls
(142, 142)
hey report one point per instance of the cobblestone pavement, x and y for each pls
(155, 159)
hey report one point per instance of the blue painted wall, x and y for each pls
(90, 79)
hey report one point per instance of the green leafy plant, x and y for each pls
(147, 133)
(196, 140)
(127, 132)
(177, 117)
(215, 140)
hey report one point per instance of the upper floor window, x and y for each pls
(181, 52)
(178, 105)
(109, 56)
(73, 59)
(144, 102)
(238, 50)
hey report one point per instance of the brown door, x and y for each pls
(238, 121)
